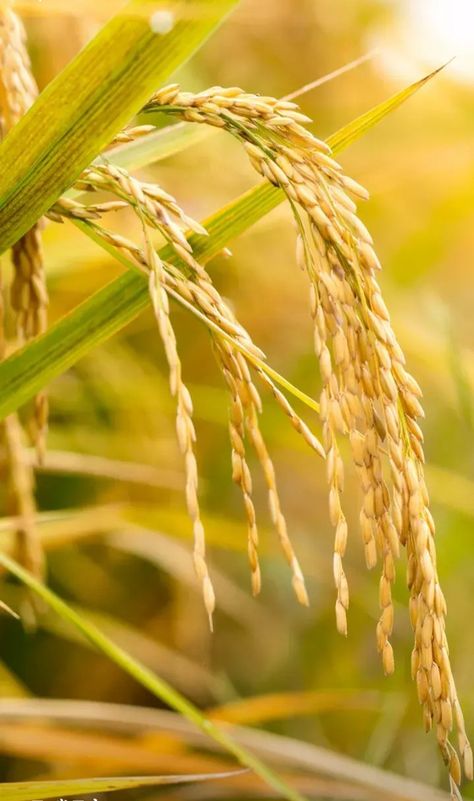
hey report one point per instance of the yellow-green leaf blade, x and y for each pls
(358, 127)
(25, 791)
(90, 101)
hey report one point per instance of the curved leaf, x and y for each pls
(82, 109)
(25, 791)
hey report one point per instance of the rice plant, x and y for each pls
(72, 159)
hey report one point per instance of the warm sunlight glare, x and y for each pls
(430, 32)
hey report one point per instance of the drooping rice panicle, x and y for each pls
(184, 422)
(157, 207)
(18, 478)
(29, 297)
(277, 516)
(367, 393)
(159, 210)
(238, 376)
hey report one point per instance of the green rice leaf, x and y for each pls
(91, 100)
(358, 127)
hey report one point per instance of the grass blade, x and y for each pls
(358, 127)
(156, 685)
(118, 303)
(25, 791)
(90, 101)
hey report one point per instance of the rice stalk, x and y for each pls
(19, 483)
(184, 423)
(367, 393)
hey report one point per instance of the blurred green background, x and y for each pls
(112, 509)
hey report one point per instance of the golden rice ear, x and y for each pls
(157, 209)
(29, 298)
(20, 504)
(367, 392)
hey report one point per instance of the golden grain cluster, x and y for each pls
(192, 284)
(367, 394)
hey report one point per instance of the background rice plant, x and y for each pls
(115, 529)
